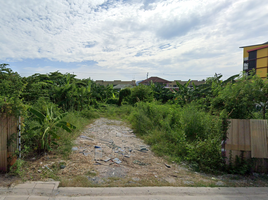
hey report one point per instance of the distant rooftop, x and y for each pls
(154, 79)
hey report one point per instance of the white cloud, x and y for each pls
(161, 36)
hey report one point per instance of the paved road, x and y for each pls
(51, 191)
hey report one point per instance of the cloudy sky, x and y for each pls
(125, 39)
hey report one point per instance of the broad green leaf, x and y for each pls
(37, 113)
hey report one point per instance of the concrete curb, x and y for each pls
(178, 191)
(49, 191)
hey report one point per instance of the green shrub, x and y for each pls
(123, 94)
(90, 113)
(141, 93)
(182, 133)
(112, 101)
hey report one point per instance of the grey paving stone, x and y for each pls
(49, 186)
(20, 191)
(25, 186)
(16, 198)
(38, 198)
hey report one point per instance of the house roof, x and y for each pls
(253, 45)
(154, 79)
(122, 86)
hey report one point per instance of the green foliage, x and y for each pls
(160, 93)
(48, 126)
(185, 133)
(11, 87)
(11, 84)
(123, 94)
(240, 165)
(12, 106)
(18, 168)
(90, 113)
(112, 101)
(65, 143)
(141, 93)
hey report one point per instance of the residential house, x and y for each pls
(155, 79)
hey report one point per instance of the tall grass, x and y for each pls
(181, 133)
(80, 120)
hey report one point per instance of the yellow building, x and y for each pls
(256, 57)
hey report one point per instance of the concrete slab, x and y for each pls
(20, 191)
(56, 183)
(74, 191)
(16, 198)
(25, 186)
(38, 198)
(250, 190)
(45, 186)
(5, 189)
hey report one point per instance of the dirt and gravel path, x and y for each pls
(124, 156)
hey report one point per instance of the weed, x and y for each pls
(91, 173)
(18, 168)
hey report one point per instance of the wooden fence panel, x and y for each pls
(3, 143)
(259, 135)
(12, 132)
(8, 127)
(238, 138)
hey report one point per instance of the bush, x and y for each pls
(90, 113)
(123, 94)
(141, 93)
(181, 133)
(112, 101)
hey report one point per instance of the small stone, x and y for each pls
(188, 182)
(85, 137)
(168, 166)
(135, 179)
(62, 166)
(74, 149)
(118, 134)
(39, 171)
(220, 183)
(143, 149)
(170, 180)
(117, 161)
(255, 174)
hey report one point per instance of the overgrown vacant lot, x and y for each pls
(137, 164)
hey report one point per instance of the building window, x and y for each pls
(252, 60)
